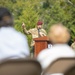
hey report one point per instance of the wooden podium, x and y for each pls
(40, 44)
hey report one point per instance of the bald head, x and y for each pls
(58, 34)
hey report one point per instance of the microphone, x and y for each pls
(39, 32)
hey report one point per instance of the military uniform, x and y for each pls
(73, 45)
(35, 33)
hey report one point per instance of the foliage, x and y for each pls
(49, 11)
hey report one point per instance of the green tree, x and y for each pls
(50, 11)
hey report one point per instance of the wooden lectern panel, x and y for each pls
(40, 44)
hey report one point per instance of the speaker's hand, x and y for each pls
(23, 25)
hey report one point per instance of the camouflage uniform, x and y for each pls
(35, 34)
(73, 45)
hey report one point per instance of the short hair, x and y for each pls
(6, 18)
(58, 33)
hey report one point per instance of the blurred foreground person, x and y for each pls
(73, 45)
(59, 36)
(13, 44)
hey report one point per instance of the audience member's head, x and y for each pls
(58, 34)
(6, 18)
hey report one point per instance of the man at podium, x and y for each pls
(36, 32)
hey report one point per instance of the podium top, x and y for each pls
(45, 38)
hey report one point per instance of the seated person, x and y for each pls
(73, 45)
(13, 44)
(59, 36)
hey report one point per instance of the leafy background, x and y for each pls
(49, 11)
